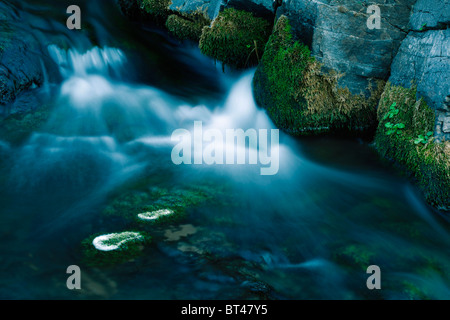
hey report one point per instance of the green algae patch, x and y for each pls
(355, 255)
(300, 98)
(236, 38)
(402, 120)
(18, 127)
(114, 248)
(187, 26)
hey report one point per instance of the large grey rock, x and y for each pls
(424, 59)
(260, 8)
(211, 7)
(337, 33)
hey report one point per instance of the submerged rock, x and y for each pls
(236, 38)
(300, 98)
(424, 59)
(405, 139)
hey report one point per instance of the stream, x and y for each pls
(308, 232)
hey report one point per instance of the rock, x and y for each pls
(20, 69)
(338, 36)
(115, 241)
(236, 38)
(300, 98)
(22, 60)
(260, 8)
(211, 7)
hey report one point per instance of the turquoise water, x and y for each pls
(308, 232)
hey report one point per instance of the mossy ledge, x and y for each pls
(236, 38)
(300, 98)
(404, 135)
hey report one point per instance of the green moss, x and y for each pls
(301, 99)
(16, 128)
(130, 205)
(127, 250)
(156, 10)
(412, 292)
(355, 255)
(236, 38)
(187, 26)
(428, 163)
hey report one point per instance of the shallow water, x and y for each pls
(308, 232)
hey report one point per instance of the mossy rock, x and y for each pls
(236, 38)
(156, 10)
(177, 201)
(300, 98)
(18, 127)
(355, 256)
(114, 248)
(187, 26)
(402, 119)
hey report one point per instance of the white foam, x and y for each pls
(100, 243)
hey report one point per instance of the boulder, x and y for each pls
(259, 8)
(337, 33)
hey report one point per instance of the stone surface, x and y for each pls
(21, 64)
(430, 14)
(337, 33)
(424, 59)
(211, 7)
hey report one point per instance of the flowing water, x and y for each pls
(308, 232)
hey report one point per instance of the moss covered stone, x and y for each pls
(403, 121)
(18, 127)
(187, 26)
(236, 38)
(300, 98)
(156, 10)
(114, 248)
